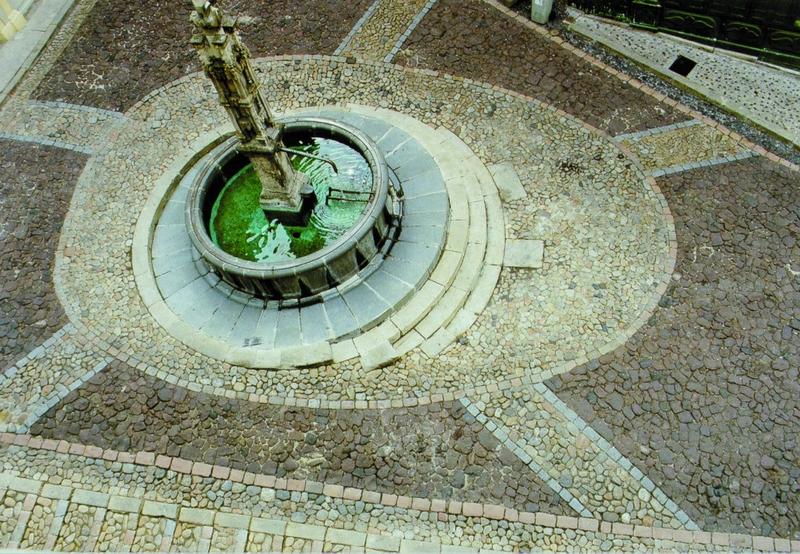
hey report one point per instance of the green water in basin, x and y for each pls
(238, 225)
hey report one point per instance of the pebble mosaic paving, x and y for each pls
(605, 398)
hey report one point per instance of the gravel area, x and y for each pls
(474, 40)
(427, 451)
(124, 50)
(705, 397)
(36, 184)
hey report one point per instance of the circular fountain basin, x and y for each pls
(354, 223)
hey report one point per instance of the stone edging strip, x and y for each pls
(503, 434)
(760, 150)
(656, 131)
(47, 142)
(697, 165)
(407, 33)
(107, 114)
(452, 507)
(357, 27)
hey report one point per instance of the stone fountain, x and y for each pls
(283, 209)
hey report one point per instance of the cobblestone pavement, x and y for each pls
(428, 451)
(705, 397)
(475, 40)
(380, 36)
(605, 399)
(678, 148)
(36, 183)
(151, 505)
(123, 50)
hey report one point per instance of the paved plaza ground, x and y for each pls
(636, 389)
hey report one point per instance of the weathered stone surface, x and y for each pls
(36, 183)
(705, 397)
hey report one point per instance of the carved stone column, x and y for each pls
(226, 61)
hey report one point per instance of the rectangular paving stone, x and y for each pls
(197, 516)
(245, 328)
(408, 545)
(269, 526)
(384, 543)
(391, 288)
(222, 322)
(427, 234)
(159, 509)
(411, 156)
(227, 519)
(266, 330)
(344, 536)
(341, 319)
(392, 140)
(406, 259)
(436, 201)
(124, 504)
(507, 181)
(50, 490)
(365, 304)
(304, 531)
(527, 254)
(289, 326)
(422, 183)
(314, 323)
(90, 498)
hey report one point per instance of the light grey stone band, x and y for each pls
(47, 142)
(705, 163)
(656, 130)
(410, 29)
(357, 27)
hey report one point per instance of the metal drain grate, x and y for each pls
(682, 66)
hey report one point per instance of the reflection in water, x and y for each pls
(238, 225)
